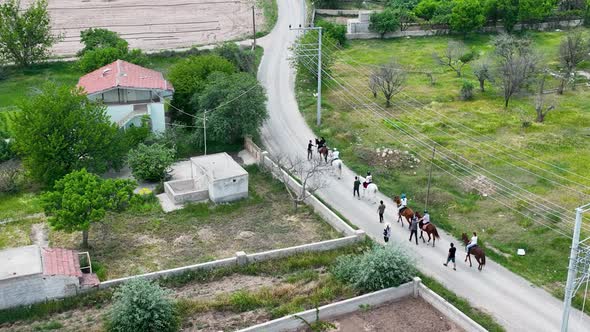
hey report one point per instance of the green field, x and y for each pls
(478, 130)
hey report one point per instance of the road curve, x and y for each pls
(514, 302)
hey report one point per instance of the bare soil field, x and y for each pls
(153, 25)
(408, 315)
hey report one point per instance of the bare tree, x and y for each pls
(572, 50)
(455, 56)
(483, 71)
(517, 64)
(540, 108)
(390, 79)
(373, 84)
(312, 175)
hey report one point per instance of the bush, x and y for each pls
(11, 176)
(150, 162)
(467, 90)
(334, 31)
(244, 60)
(6, 150)
(94, 59)
(140, 305)
(381, 267)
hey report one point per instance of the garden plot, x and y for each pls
(153, 25)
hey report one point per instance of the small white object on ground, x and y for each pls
(520, 252)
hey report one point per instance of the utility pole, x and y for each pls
(253, 28)
(205, 130)
(319, 93)
(430, 177)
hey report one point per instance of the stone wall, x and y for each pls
(36, 288)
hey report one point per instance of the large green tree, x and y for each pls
(384, 22)
(508, 10)
(467, 16)
(102, 47)
(531, 11)
(25, 35)
(100, 38)
(81, 198)
(236, 104)
(59, 130)
(189, 77)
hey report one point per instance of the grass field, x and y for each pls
(561, 140)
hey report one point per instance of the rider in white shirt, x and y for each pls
(403, 203)
(335, 155)
(369, 178)
(473, 242)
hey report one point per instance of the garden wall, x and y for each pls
(414, 288)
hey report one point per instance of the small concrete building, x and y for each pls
(32, 274)
(130, 92)
(216, 177)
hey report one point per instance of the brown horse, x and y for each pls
(407, 212)
(430, 229)
(323, 151)
(477, 251)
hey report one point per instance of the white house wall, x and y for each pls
(118, 112)
(156, 111)
(230, 189)
(36, 288)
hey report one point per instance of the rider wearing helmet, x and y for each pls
(368, 180)
(335, 155)
(403, 203)
(425, 219)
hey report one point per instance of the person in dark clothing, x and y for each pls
(381, 210)
(356, 187)
(414, 229)
(309, 151)
(387, 232)
(451, 257)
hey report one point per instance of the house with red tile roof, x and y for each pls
(131, 93)
(33, 274)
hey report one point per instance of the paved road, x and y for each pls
(513, 301)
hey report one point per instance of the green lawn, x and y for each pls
(561, 140)
(19, 205)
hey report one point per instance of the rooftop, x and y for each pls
(64, 262)
(20, 262)
(219, 166)
(124, 75)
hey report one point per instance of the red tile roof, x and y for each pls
(123, 74)
(58, 261)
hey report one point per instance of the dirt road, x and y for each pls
(513, 301)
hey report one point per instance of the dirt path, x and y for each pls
(39, 235)
(30, 216)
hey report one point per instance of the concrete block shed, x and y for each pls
(32, 274)
(226, 180)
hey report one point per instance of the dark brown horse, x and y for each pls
(477, 251)
(323, 150)
(407, 212)
(430, 229)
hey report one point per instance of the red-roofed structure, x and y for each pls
(122, 74)
(130, 92)
(57, 261)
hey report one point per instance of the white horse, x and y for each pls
(337, 167)
(372, 190)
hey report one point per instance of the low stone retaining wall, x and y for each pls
(254, 150)
(182, 191)
(339, 12)
(414, 288)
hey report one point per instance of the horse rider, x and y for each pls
(403, 204)
(368, 180)
(425, 219)
(335, 155)
(472, 243)
(320, 143)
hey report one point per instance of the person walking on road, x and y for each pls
(414, 229)
(381, 210)
(309, 150)
(387, 233)
(356, 187)
(451, 256)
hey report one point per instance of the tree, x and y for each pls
(312, 175)
(243, 60)
(101, 38)
(25, 35)
(467, 16)
(540, 108)
(189, 77)
(516, 64)
(426, 9)
(81, 198)
(405, 17)
(466, 91)
(235, 105)
(573, 49)
(491, 11)
(60, 130)
(455, 56)
(373, 85)
(406, 4)
(509, 12)
(150, 162)
(337, 32)
(390, 79)
(141, 305)
(483, 71)
(384, 22)
(531, 11)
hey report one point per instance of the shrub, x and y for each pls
(140, 305)
(150, 162)
(334, 31)
(99, 57)
(244, 60)
(467, 90)
(11, 176)
(381, 267)
(6, 150)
